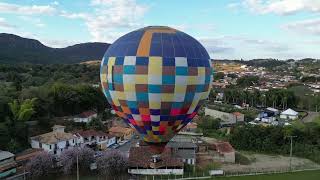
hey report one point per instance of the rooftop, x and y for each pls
(89, 133)
(5, 155)
(53, 137)
(142, 157)
(86, 114)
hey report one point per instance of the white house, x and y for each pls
(54, 142)
(85, 117)
(92, 138)
(289, 114)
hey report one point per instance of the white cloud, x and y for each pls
(56, 3)
(310, 26)
(5, 25)
(110, 18)
(26, 10)
(235, 46)
(33, 20)
(282, 7)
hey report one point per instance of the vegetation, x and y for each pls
(40, 165)
(112, 163)
(310, 175)
(274, 139)
(68, 159)
(42, 92)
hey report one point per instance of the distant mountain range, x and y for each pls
(16, 49)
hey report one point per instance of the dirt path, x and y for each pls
(311, 116)
(261, 162)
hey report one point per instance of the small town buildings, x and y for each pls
(85, 117)
(143, 162)
(225, 151)
(226, 118)
(54, 142)
(121, 133)
(7, 164)
(94, 138)
(184, 148)
(289, 114)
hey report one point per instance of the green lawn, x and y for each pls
(305, 175)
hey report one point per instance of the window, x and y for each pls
(50, 146)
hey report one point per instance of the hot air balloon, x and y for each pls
(156, 78)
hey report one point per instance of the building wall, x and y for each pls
(35, 144)
(111, 141)
(229, 157)
(156, 171)
(227, 118)
(284, 116)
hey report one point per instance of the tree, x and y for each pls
(96, 124)
(68, 159)
(22, 111)
(112, 163)
(40, 165)
(219, 75)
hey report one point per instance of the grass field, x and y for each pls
(305, 175)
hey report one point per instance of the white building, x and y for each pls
(85, 117)
(226, 118)
(54, 142)
(92, 138)
(289, 114)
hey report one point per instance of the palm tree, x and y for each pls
(22, 111)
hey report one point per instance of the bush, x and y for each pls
(68, 159)
(40, 165)
(112, 163)
(241, 159)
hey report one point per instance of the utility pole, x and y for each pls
(290, 165)
(77, 168)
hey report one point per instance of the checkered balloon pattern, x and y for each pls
(156, 78)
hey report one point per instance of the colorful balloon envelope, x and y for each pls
(156, 78)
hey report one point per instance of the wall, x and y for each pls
(156, 171)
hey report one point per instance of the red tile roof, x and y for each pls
(223, 147)
(142, 157)
(89, 133)
(87, 114)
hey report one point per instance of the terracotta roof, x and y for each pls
(118, 129)
(86, 114)
(142, 157)
(89, 133)
(53, 137)
(223, 147)
(27, 154)
(237, 113)
(8, 166)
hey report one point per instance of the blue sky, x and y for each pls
(231, 29)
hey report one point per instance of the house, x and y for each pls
(183, 147)
(289, 114)
(121, 133)
(85, 117)
(7, 164)
(273, 110)
(94, 138)
(226, 118)
(54, 142)
(143, 162)
(268, 115)
(225, 151)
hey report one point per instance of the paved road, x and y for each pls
(310, 117)
(125, 148)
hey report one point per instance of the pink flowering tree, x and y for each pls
(68, 159)
(40, 165)
(112, 163)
